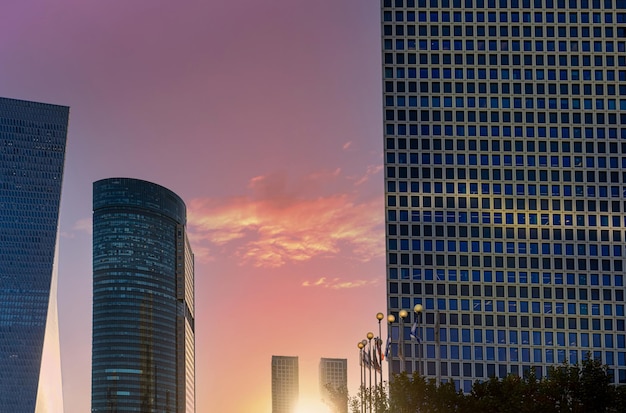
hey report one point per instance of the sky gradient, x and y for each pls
(265, 117)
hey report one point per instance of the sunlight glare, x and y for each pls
(312, 406)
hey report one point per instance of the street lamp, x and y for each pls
(379, 348)
(361, 363)
(390, 320)
(364, 342)
(403, 314)
(418, 310)
(379, 317)
(370, 336)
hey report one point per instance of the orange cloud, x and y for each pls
(277, 224)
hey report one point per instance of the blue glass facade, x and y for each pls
(32, 152)
(505, 174)
(143, 292)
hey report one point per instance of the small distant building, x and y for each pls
(334, 374)
(285, 384)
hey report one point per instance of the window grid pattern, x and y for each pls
(32, 153)
(505, 174)
(143, 356)
(334, 373)
(285, 384)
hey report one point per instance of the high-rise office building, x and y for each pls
(285, 384)
(32, 153)
(505, 174)
(143, 355)
(333, 377)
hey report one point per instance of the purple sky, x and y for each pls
(264, 116)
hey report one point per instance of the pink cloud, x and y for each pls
(371, 171)
(80, 226)
(278, 223)
(337, 283)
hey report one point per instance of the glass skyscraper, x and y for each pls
(143, 357)
(32, 153)
(505, 174)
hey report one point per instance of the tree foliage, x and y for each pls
(337, 398)
(578, 388)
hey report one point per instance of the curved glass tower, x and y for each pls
(143, 357)
(32, 153)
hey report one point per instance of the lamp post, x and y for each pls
(366, 366)
(360, 346)
(390, 320)
(418, 312)
(403, 314)
(370, 336)
(379, 317)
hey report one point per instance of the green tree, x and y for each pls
(381, 404)
(581, 388)
(355, 405)
(406, 393)
(337, 398)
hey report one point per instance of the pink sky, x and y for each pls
(264, 116)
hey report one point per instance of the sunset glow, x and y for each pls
(265, 118)
(312, 406)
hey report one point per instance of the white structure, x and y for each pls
(285, 384)
(334, 373)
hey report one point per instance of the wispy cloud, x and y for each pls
(371, 171)
(281, 221)
(337, 283)
(83, 225)
(80, 226)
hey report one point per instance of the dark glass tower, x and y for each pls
(32, 153)
(505, 162)
(143, 357)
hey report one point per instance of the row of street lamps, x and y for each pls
(365, 350)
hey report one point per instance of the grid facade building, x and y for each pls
(32, 152)
(505, 174)
(285, 384)
(333, 373)
(143, 356)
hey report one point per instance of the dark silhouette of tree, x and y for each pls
(337, 398)
(580, 388)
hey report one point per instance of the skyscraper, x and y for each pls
(32, 153)
(333, 376)
(285, 384)
(143, 355)
(505, 174)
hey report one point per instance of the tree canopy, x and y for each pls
(578, 388)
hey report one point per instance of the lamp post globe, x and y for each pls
(370, 335)
(391, 318)
(418, 308)
(380, 316)
(403, 313)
